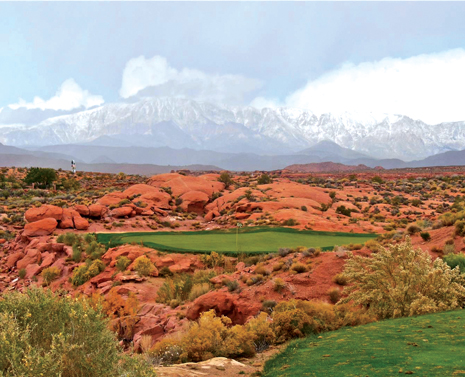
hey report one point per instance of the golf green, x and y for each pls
(428, 345)
(232, 241)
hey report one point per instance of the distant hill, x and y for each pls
(24, 160)
(326, 167)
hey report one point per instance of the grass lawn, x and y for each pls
(429, 345)
(250, 240)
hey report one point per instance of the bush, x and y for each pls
(279, 285)
(199, 290)
(425, 236)
(460, 228)
(122, 263)
(22, 273)
(87, 271)
(390, 289)
(143, 266)
(412, 229)
(49, 274)
(454, 260)
(44, 334)
(176, 288)
(233, 285)
(299, 267)
(340, 279)
(261, 331)
(264, 179)
(225, 178)
(334, 295)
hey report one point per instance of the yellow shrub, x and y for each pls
(238, 342)
(50, 274)
(143, 266)
(261, 330)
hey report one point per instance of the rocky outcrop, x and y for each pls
(43, 212)
(122, 212)
(194, 201)
(224, 303)
(43, 227)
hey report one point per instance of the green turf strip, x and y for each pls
(249, 240)
(429, 345)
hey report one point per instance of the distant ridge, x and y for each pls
(326, 167)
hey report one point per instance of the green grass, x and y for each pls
(250, 241)
(429, 345)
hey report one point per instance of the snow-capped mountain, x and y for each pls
(182, 123)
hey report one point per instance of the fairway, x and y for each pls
(429, 345)
(250, 241)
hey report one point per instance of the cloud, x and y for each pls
(144, 77)
(68, 97)
(427, 87)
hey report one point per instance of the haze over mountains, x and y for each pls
(180, 132)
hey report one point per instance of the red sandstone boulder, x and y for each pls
(224, 303)
(32, 256)
(47, 259)
(81, 223)
(121, 212)
(194, 201)
(13, 258)
(40, 228)
(181, 184)
(112, 198)
(43, 212)
(97, 210)
(82, 209)
(32, 270)
(2, 241)
(67, 219)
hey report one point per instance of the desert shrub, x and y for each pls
(261, 331)
(283, 251)
(449, 248)
(77, 253)
(176, 288)
(94, 250)
(225, 178)
(268, 305)
(22, 273)
(373, 245)
(304, 208)
(343, 211)
(412, 229)
(279, 284)
(122, 263)
(278, 266)
(122, 312)
(334, 295)
(299, 267)
(261, 270)
(233, 285)
(165, 272)
(87, 271)
(290, 222)
(290, 322)
(44, 334)
(264, 179)
(459, 228)
(213, 259)
(143, 266)
(166, 352)
(199, 290)
(340, 279)
(454, 260)
(402, 281)
(425, 236)
(49, 274)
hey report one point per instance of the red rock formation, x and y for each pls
(43, 212)
(40, 228)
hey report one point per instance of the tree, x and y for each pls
(402, 281)
(225, 178)
(264, 179)
(44, 176)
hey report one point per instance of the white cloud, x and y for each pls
(68, 97)
(427, 87)
(155, 77)
(262, 102)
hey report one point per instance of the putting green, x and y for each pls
(249, 240)
(428, 345)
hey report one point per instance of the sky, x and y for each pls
(391, 57)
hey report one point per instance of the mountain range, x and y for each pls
(183, 123)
